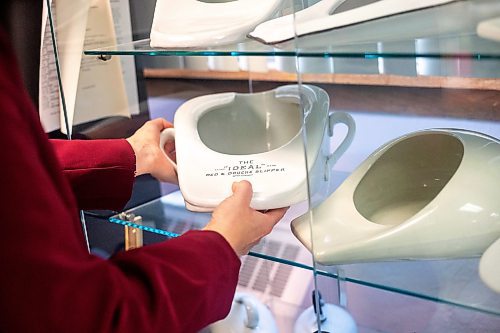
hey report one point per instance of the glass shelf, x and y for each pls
(167, 216)
(142, 47)
(453, 282)
(468, 46)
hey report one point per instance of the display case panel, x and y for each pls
(379, 191)
(405, 100)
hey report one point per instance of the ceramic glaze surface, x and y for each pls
(255, 126)
(283, 28)
(413, 173)
(247, 315)
(259, 137)
(337, 320)
(427, 195)
(193, 23)
(489, 29)
(376, 22)
(489, 266)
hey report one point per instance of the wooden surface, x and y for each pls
(438, 102)
(352, 79)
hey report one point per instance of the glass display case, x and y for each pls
(377, 122)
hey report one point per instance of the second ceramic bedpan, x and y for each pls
(203, 23)
(381, 21)
(427, 195)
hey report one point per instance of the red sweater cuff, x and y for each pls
(100, 172)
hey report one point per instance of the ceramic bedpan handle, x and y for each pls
(345, 118)
(167, 135)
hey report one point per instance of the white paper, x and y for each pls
(123, 28)
(48, 101)
(71, 23)
(101, 88)
(93, 89)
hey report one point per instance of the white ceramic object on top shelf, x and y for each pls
(196, 23)
(283, 27)
(489, 29)
(382, 21)
(431, 194)
(489, 266)
(227, 137)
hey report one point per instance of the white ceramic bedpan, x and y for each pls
(381, 21)
(202, 23)
(427, 195)
(227, 137)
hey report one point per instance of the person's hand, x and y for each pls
(149, 157)
(240, 225)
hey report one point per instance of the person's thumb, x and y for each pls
(242, 192)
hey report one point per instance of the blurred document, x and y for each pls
(93, 89)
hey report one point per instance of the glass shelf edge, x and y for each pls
(142, 48)
(326, 273)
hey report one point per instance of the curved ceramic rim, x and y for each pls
(332, 20)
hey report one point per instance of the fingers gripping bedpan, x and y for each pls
(426, 195)
(259, 137)
(202, 23)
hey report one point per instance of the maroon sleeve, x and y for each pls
(100, 172)
(199, 287)
(50, 283)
